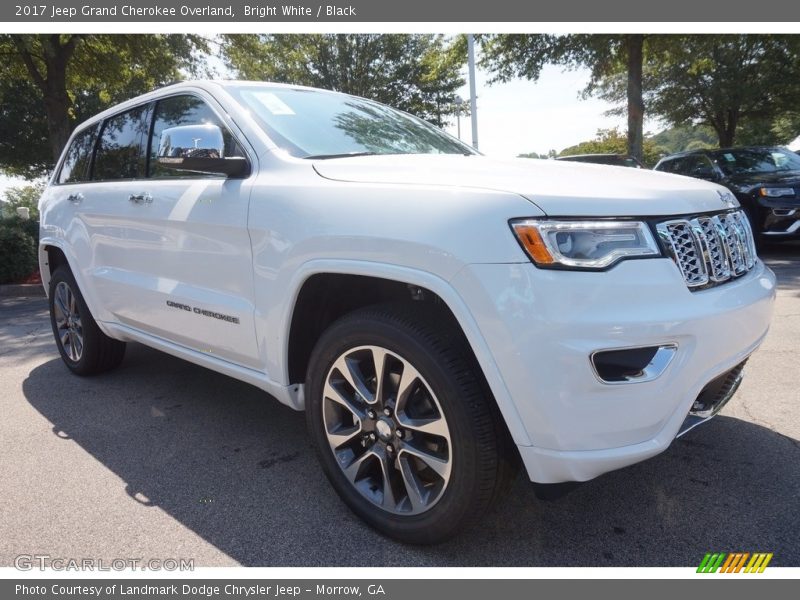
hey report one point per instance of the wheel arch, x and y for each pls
(51, 256)
(392, 281)
(53, 253)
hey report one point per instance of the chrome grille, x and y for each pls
(709, 250)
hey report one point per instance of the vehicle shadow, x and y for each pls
(236, 468)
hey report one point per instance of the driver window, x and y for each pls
(184, 110)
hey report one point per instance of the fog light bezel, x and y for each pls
(657, 365)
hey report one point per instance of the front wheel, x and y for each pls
(406, 432)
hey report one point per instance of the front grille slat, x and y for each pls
(717, 258)
(685, 249)
(747, 240)
(709, 249)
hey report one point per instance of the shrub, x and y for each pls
(29, 226)
(18, 256)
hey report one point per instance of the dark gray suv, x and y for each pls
(766, 181)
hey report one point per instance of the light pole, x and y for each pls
(473, 101)
(459, 101)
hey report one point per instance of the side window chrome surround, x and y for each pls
(230, 125)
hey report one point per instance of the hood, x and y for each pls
(750, 180)
(559, 188)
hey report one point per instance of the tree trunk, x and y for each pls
(635, 47)
(56, 105)
(724, 125)
(52, 82)
(726, 138)
(729, 138)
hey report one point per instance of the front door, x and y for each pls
(181, 268)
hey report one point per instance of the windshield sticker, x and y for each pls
(272, 103)
(779, 159)
(729, 157)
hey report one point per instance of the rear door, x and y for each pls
(63, 206)
(97, 233)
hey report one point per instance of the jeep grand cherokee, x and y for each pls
(440, 315)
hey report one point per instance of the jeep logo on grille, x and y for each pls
(728, 199)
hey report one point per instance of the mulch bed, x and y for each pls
(33, 278)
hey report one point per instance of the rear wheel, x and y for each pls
(84, 348)
(404, 428)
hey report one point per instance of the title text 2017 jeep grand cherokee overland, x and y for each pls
(437, 313)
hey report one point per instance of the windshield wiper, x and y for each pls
(340, 155)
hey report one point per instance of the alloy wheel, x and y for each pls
(68, 322)
(387, 430)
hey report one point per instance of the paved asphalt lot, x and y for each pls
(163, 459)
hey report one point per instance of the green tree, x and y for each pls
(550, 154)
(745, 87)
(685, 137)
(19, 120)
(606, 56)
(416, 73)
(48, 82)
(25, 196)
(612, 141)
(786, 127)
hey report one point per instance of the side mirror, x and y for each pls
(198, 148)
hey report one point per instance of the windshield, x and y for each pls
(756, 160)
(319, 124)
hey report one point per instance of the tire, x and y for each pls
(83, 347)
(453, 457)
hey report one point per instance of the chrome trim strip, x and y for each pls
(791, 229)
(695, 418)
(784, 212)
(707, 414)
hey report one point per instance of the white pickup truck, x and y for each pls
(441, 316)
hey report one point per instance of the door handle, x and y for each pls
(75, 198)
(141, 198)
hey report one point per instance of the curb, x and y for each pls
(20, 290)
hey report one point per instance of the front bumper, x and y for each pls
(542, 326)
(782, 223)
(780, 217)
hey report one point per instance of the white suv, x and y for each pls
(439, 314)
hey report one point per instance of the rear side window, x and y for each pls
(119, 152)
(75, 167)
(185, 110)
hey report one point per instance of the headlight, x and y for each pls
(776, 192)
(584, 244)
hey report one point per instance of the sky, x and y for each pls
(7, 182)
(523, 116)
